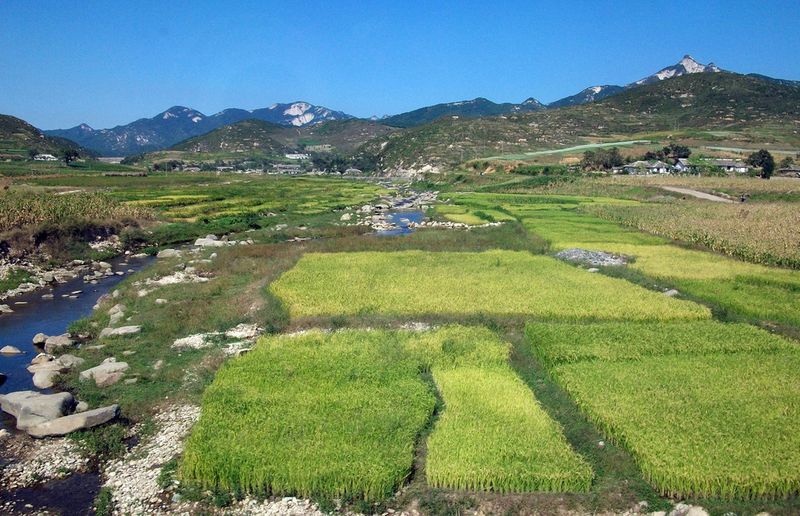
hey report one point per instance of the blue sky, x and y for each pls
(108, 62)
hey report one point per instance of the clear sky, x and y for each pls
(110, 62)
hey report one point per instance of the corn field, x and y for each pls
(24, 209)
(765, 233)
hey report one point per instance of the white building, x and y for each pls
(45, 157)
(646, 167)
(297, 155)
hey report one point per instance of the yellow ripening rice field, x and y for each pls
(451, 283)
(719, 425)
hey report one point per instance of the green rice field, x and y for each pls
(338, 414)
(706, 408)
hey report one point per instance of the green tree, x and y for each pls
(69, 155)
(32, 153)
(763, 160)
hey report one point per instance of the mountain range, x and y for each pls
(181, 123)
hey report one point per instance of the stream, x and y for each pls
(402, 219)
(51, 317)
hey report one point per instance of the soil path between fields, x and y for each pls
(696, 193)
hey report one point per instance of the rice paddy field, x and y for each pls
(706, 411)
(187, 197)
(449, 371)
(339, 415)
(494, 282)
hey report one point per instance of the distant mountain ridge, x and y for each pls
(483, 107)
(179, 123)
(466, 108)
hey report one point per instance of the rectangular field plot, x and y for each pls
(718, 425)
(339, 414)
(312, 415)
(556, 344)
(494, 436)
(492, 282)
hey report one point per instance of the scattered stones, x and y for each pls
(197, 341)
(594, 258)
(82, 406)
(161, 301)
(31, 408)
(244, 331)
(122, 331)
(683, 509)
(174, 279)
(212, 242)
(41, 461)
(133, 480)
(79, 421)
(346, 217)
(5, 309)
(671, 292)
(10, 350)
(39, 339)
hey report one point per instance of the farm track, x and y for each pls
(696, 193)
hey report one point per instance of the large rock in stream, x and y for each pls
(66, 424)
(32, 408)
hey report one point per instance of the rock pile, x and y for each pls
(593, 258)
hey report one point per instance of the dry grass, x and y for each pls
(767, 233)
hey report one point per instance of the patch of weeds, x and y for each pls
(82, 327)
(167, 474)
(101, 443)
(437, 502)
(222, 499)
(104, 502)
(325, 504)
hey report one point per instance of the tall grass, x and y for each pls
(766, 233)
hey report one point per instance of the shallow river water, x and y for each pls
(51, 318)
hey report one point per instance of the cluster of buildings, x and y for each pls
(681, 166)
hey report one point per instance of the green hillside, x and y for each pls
(18, 137)
(735, 107)
(258, 137)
